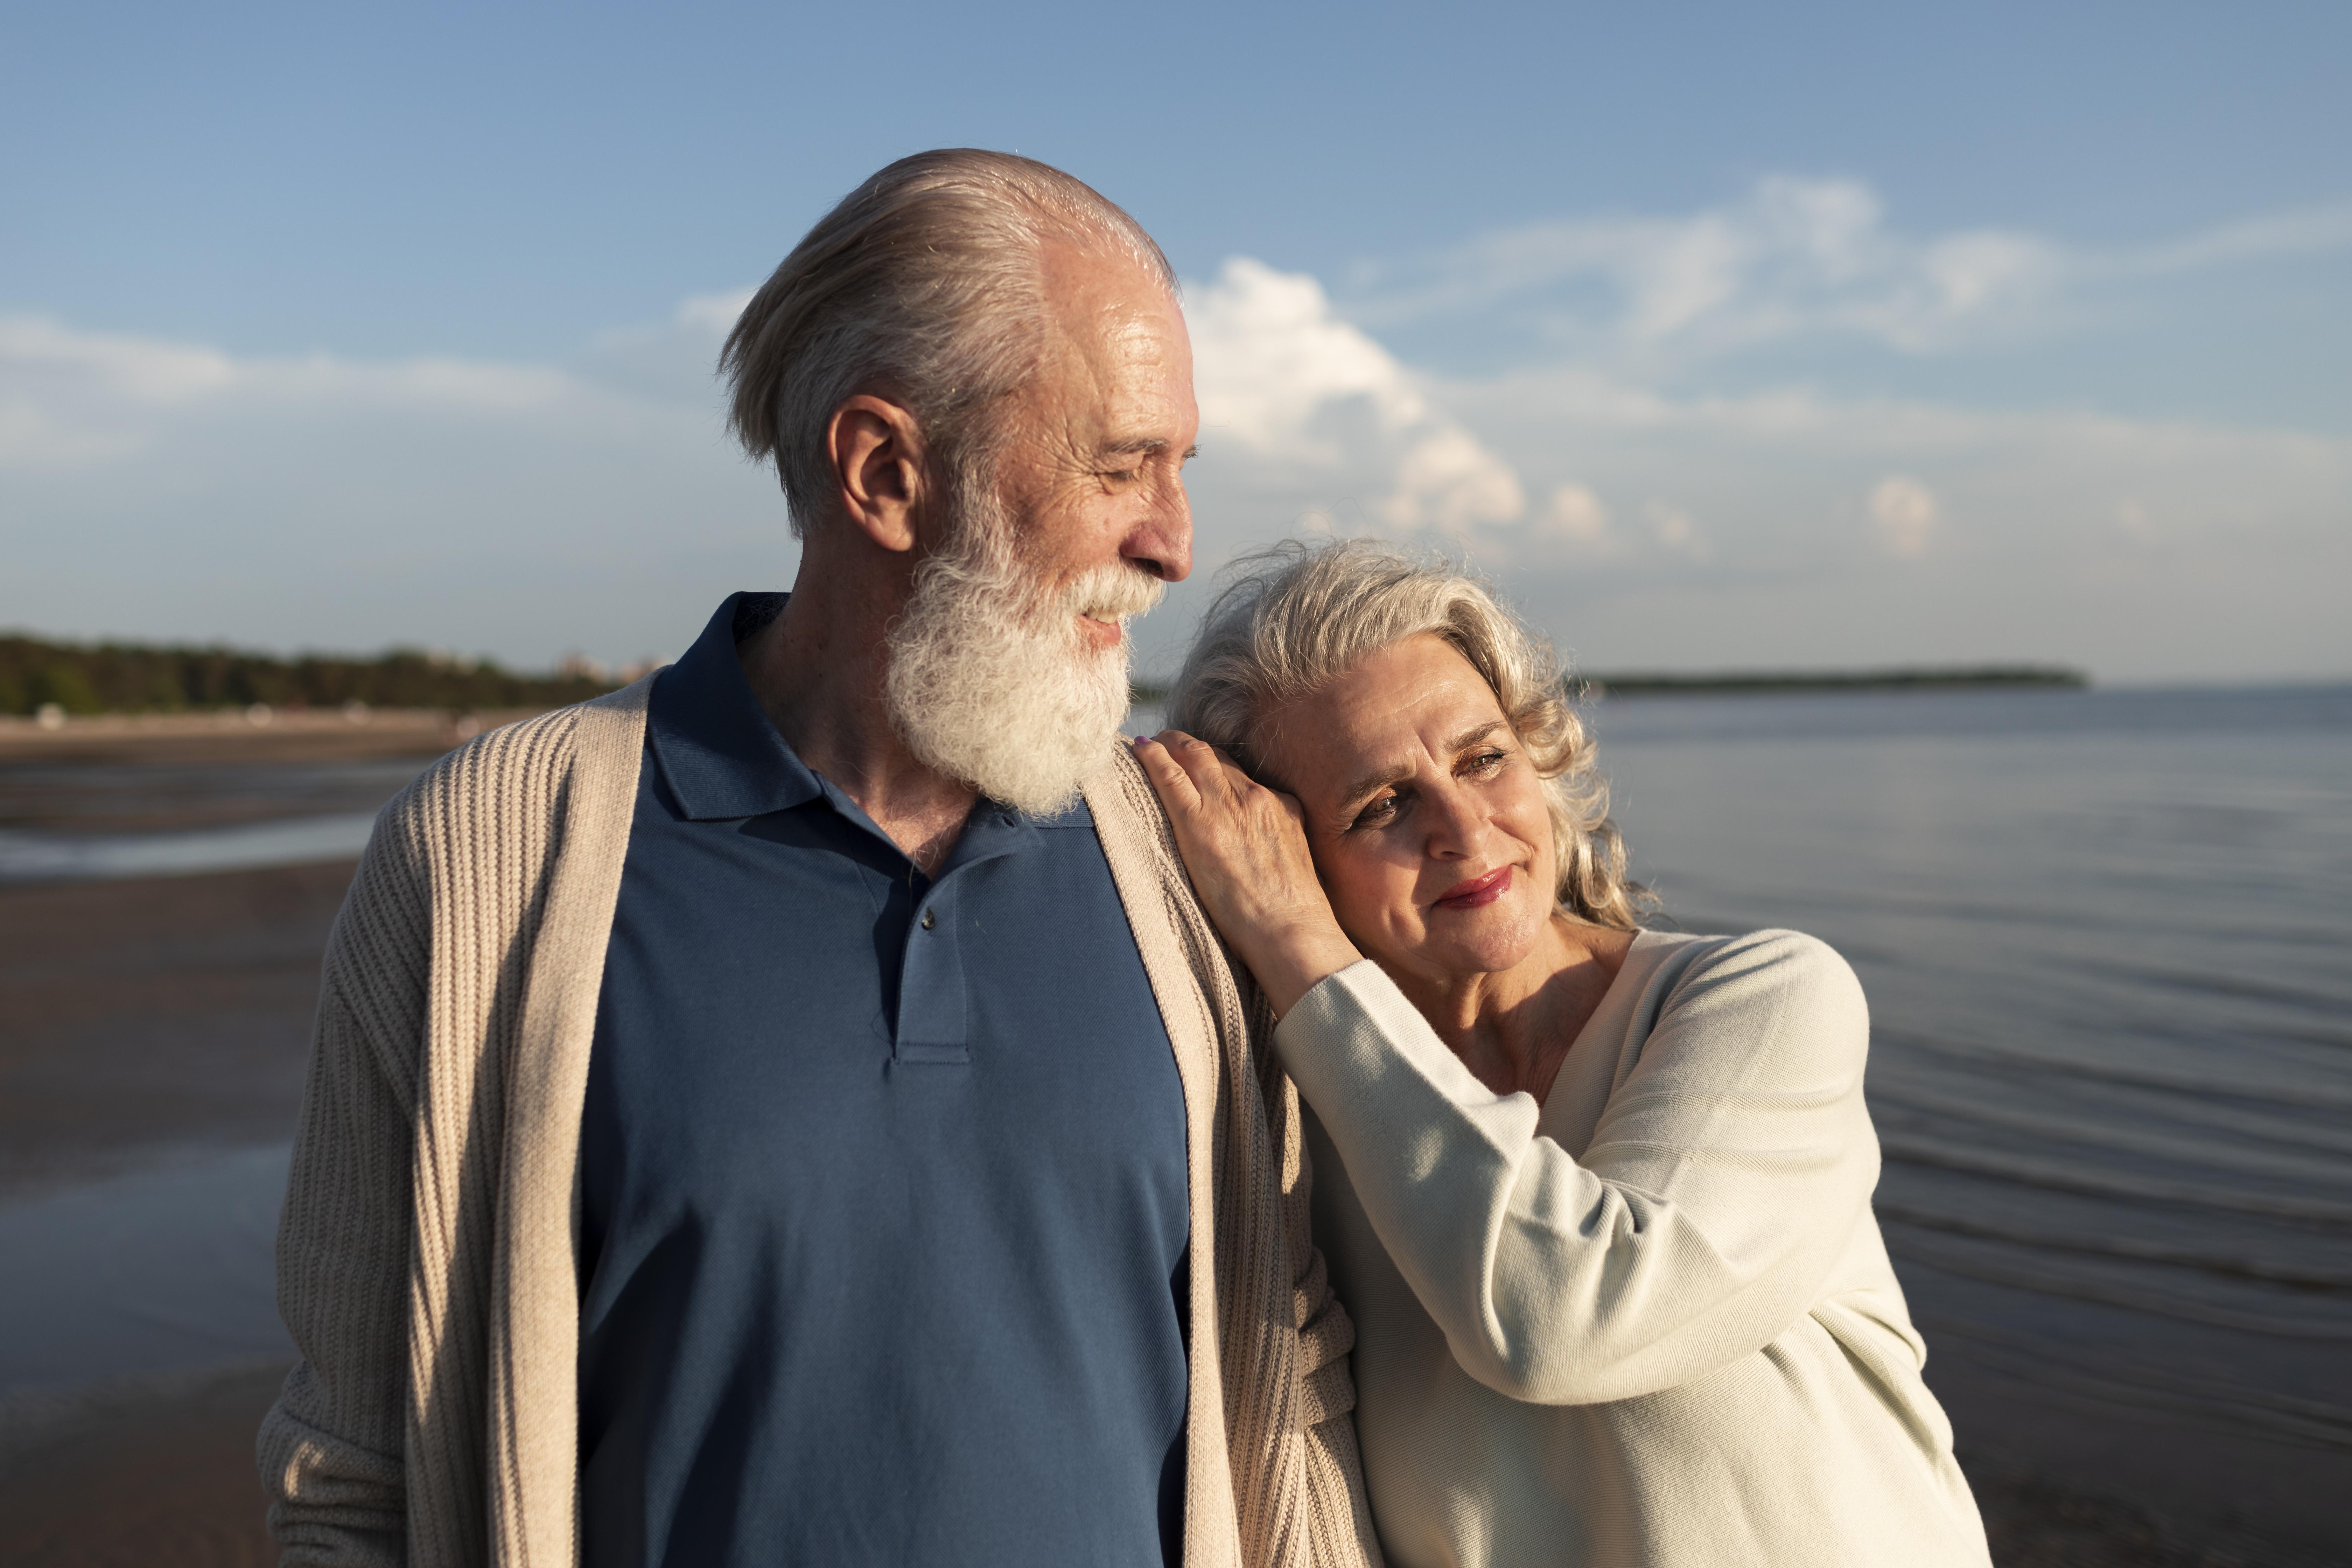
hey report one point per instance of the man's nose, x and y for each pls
(1163, 542)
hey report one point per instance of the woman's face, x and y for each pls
(1426, 820)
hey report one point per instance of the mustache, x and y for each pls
(1113, 593)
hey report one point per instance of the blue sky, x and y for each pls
(1838, 335)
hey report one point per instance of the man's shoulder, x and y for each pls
(524, 775)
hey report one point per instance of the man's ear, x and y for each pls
(875, 449)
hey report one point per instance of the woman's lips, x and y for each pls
(1477, 893)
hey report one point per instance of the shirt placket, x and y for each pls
(934, 1011)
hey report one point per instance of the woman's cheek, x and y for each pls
(1373, 900)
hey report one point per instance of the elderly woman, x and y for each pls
(1599, 1197)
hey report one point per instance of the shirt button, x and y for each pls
(929, 919)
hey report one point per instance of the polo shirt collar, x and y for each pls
(719, 751)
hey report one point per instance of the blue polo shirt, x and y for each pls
(882, 1200)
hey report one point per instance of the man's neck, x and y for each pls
(818, 670)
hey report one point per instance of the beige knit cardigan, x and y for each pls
(426, 1260)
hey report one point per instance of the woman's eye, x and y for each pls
(1374, 815)
(1485, 762)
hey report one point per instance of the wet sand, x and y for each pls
(160, 1474)
(156, 1013)
(145, 774)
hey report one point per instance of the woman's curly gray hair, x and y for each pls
(1297, 616)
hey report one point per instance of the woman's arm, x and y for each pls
(1722, 1184)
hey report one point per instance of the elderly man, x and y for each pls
(794, 1109)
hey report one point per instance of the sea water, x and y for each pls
(2107, 943)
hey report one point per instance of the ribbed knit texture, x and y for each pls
(427, 1257)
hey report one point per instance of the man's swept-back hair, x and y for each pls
(1296, 617)
(926, 286)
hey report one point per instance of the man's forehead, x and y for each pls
(1105, 303)
(1115, 373)
(1070, 264)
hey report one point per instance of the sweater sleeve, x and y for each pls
(332, 1450)
(1720, 1187)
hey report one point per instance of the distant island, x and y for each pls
(135, 678)
(1758, 682)
(1734, 683)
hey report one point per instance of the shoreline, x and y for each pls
(239, 735)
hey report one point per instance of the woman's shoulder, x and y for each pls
(1776, 988)
(1786, 957)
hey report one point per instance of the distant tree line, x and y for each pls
(126, 678)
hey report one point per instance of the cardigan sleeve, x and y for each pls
(1722, 1182)
(331, 1451)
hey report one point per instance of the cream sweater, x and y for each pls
(1650, 1322)
(426, 1260)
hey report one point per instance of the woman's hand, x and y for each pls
(1247, 851)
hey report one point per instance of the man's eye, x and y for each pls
(1122, 476)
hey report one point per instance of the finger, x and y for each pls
(1198, 759)
(1176, 787)
(1209, 765)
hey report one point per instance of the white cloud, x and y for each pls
(1677, 530)
(160, 489)
(71, 399)
(1303, 392)
(31, 437)
(1902, 513)
(1795, 259)
(1268, 355)
(712, 313)
(2304, 231)
(1574, 516)
(35, 350)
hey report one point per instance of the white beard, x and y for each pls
(990, 681)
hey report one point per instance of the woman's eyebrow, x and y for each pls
(1372, 784)
(1396, 773)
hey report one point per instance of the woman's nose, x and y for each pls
(1458, 828)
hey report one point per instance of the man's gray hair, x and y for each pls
(926, 286)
